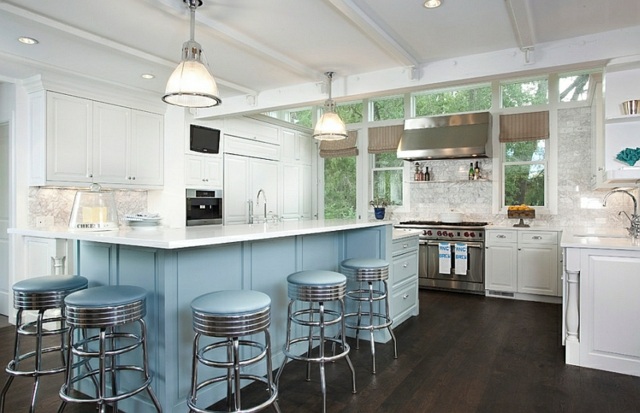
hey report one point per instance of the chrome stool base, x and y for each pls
(316, 287)
(367, 272)
(39, 294)
(231, 315)
(91, 312)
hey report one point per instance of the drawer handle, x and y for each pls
(501, 236)
(404, 297)
(405, 245)
(405, 265)
(536, 237)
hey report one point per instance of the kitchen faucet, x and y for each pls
(634, 219)
(264, 197)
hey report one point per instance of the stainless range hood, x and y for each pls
(446, 137)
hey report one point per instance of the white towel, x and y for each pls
(461, 257)
(444, 258)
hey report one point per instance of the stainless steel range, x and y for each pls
(437, 273)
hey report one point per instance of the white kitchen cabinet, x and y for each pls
(296, 188)
(403, 279)
(77, 140)
(45, 256)
(203, 171)
(243, 177)
(501, 260)
(621, 83)
(602, 309)
(522, 262)
(296, 147)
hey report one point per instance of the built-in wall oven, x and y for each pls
(438, 273)
(204, 207)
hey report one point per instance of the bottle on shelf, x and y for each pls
(471, 172)
(476, 171)
(427, 175)
(416, 175)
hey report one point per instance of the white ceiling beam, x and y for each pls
(107, 43)
(255, 47)
(521, 23)
(372, 29)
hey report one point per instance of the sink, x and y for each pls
(601, 235)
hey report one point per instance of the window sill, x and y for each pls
(450, 181)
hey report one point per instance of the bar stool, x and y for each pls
(317, 286)
(104, 309)
(369, 271)
(231, 315)
(40, 294)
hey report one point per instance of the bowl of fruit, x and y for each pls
(521, 212)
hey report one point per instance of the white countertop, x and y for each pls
(598, 238)
(533, 227)
(172, 238)
(405, 233)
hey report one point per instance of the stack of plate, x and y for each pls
(143, 220)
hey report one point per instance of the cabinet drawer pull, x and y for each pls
(404, 297)
(501, 236)
(405, 265)
(405, 245)
(536, 237)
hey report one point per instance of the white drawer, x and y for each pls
(404, 267)
(403, 300)
(402, 245)
(538, 237)
(499, 237)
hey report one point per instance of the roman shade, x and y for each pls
(340, 148)
(384, 138)
(524, 126)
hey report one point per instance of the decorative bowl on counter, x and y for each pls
(451, 217)
(521, 212)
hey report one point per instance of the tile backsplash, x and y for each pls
(58, 202)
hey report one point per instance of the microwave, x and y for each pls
(203, 139)
(204, 207)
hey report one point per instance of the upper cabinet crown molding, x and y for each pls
(98, 91)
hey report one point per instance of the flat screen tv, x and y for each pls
(205, 140)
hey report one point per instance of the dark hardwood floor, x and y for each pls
(464, 353)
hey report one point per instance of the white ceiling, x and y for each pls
(258, 47)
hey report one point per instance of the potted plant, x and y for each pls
(379, 205)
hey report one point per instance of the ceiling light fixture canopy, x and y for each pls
(432, 4)
(330, 127)
(191, 84)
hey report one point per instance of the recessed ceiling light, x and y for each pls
(432, 4)
(147, 76)
(27, 40)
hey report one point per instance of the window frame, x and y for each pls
(504, 163)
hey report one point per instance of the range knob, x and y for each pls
(451, 234)
(472, 235)
(466, 234)
(439, 233)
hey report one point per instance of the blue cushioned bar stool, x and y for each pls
(105, 310)
(371, 275)
(316, 286)
(231, 315)
(39, 294)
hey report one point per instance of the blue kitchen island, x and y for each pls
(177, 265)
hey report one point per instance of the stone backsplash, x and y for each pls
(58, 202)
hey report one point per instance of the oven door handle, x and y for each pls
(453, 243)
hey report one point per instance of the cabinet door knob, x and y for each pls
(405, 265)
(404, 297)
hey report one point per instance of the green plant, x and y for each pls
(379, 203)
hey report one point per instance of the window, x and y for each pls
(452, 101)
(524, 170)
(525, 93)
(574, 87)
(387, 108)
(340, 187)
(386, 174)
(300, 117)
(350, 112)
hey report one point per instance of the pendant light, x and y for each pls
(330, 127)
(191, 84)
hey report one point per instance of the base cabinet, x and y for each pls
(522, 262)
(403, 281)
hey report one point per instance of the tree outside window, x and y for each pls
(340, 188)
(452, 101)
(573, 87)
(524, 168)
(525, 93)
(387, 178)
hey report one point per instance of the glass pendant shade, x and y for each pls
(330, 127)
(191, 84)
